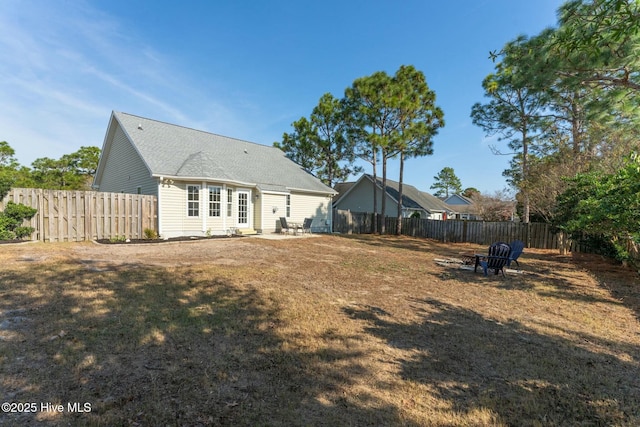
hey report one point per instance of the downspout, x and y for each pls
(159, 207)
(260, 204)
(205, 206)
(223, 207)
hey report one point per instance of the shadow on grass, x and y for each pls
(523, 377)
(157, 346)
(621, 282)
(391, 241)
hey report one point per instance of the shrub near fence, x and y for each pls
(86, 215)
(535, 235)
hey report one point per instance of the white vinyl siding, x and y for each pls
(273, 207)
(301, 206)
(173, 215)
(257, 212)
(126, 169)
(311, 206)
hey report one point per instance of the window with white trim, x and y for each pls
(215, 199)
(229, 202)
(288, 205)
(193, 200)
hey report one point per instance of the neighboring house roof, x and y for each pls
(457, 199)
(183, 153)
(412, 198)
(343, 187)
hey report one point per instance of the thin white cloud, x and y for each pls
(63, 71)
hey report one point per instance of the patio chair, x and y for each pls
(306, 225)
(517, 246)
(496, 259)
(284, 228)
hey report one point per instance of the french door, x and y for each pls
(243, 209)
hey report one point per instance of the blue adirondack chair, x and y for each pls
(496, 259)
(517, 246)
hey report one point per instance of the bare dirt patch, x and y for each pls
(332, 330)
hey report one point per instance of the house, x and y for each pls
(358, 197)
(207, 183)
(462, 206)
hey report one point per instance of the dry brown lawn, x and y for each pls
(330, 330)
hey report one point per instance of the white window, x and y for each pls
(193, 200)
(288, 205)
(229, 202)
(215, 194)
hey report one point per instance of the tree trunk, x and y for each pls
(399, 220)
(375, 193)
(525, 175)
(383, 209)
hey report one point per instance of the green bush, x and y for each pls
(11, 220)
(22, 232)
(150, 233)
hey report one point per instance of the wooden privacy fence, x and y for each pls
(66, 216)
(535, 235)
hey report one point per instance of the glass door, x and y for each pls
(243, 209)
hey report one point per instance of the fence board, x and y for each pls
(535, 235)
(86, 215)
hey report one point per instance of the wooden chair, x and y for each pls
(496, 259)
(517, 246)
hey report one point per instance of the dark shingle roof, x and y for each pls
(412, 198)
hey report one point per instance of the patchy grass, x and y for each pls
(328, 330)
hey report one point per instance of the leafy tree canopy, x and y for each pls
(470, 192)
(446, 183)
(73, 171)
(320, 144)
(604, 204)
(394, 116)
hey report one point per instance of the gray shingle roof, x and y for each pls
(412, 198)
(176, 151)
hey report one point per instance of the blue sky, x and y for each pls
(248, 69)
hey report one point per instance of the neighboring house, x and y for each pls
(358, 197)
(207, 183)
(462, 206)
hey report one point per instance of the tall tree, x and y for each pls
(368, 102)
(320, 144)
(586, 72)
(420, 120)
(513, 113)
(394, 115)
(73, 171)
(8, 166)
(446, 182)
